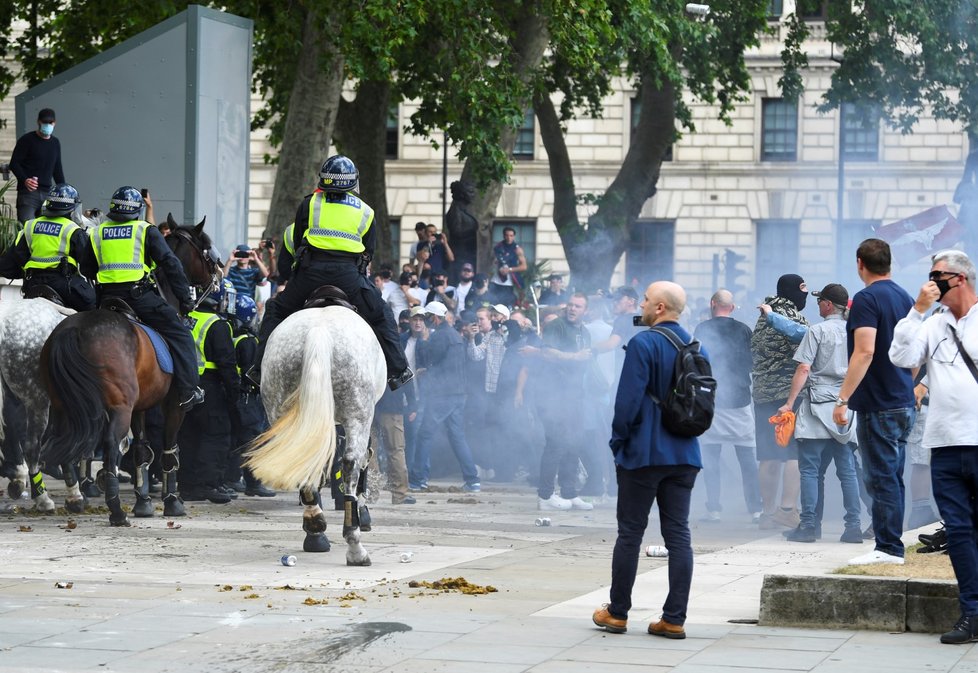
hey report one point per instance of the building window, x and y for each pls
(393, 133)
(818, 13)
(651, 252)
(523, 149)
(394, 225)
(635, 115)
(860, 132)
(779, 130)
(526, 235)
(775, 8)
(777, 244)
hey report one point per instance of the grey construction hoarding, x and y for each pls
(167, 110)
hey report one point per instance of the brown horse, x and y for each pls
(102, 374)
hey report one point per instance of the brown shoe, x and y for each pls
(767, 522)
(603, 619)
(788, 519)
(667, 630)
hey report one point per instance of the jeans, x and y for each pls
(560, 459)
(883, 445)
(444, 412)
(954, 476)
(672, 487)
(411, 429)
(29, 204)
(748, 477)
(814, 456)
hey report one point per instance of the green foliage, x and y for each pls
(9, 226)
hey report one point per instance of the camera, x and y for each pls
(638, 321)
(242, 254)
(268, 243)
(438, 237)
(438, 282)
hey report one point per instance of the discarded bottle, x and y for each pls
(406, 556)
(542, 521)
(288, 560)
(656, 551)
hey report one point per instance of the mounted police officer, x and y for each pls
(334, 240)
(124, 252)
(48, 249)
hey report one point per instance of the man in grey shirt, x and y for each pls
(823, 360)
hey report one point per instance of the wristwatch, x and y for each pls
(839, 402)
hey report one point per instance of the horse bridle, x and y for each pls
(207, 257)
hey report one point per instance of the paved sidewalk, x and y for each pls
(212, 596)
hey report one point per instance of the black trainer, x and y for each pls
(965, 631)
(399, 380)
(191, 398)
(198, 493)
(258, 489)
(801, 534)
(852, 536)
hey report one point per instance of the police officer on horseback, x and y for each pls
(124, 252)
(335, 240)
(48, 249)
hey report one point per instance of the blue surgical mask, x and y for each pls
(47, 129)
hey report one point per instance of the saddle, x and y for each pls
(119, 305)
(328, 295)
(44, 292)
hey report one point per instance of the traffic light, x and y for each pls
(734, 276)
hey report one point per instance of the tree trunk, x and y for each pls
(313, 104)
(529, 44)
(594, 250)
(361, 134)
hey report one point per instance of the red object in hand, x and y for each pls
(784, 427)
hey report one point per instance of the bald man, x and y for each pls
(728, 341)
(652, 465)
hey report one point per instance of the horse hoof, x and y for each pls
(119, 522)
(75, 506)
(143, 509)
(15, 489)
(365, 562)
(315, 543)
(174, 507)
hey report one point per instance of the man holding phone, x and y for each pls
(245, 270)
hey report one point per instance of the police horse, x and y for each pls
(322, 367)
(102, 373)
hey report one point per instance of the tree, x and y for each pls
(906, 59)
(667, 53)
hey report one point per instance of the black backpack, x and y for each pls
(687, 410)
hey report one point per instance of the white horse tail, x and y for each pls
(302, 441)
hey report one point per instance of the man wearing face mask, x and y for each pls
(36, 162)
(947, 343)
(881, 394)
(773, 370)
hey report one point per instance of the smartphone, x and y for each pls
(144, 192)
(241, 254)
(638, 321)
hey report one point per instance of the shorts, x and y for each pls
(767, 447)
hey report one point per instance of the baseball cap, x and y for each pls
(417, 310)
(501, 310)
(244, 247)
(46, 115)
(835, 293)
(555, 276)
(436, 308)
(625, 291)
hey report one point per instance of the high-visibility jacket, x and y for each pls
(200, 323)
(120, 251)
(49, 241)
(338, 224)
(288, 239)
(238, 339)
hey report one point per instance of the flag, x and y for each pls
(921, 235)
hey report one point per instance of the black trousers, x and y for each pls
(75, 291)
(155, 312)
(205, 438)
(359, 290)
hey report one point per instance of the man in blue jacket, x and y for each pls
(653, 465)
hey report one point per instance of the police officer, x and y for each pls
(250, 410)
(333, 233)
(205, 436)
(48, 249)
(286, 256)
(124, 251)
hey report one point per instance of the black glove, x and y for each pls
(186, 307)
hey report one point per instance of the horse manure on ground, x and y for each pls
(71, 525)
(463, 501)
(450, 584)
(226, 587)
(315, 601)
(352, 596)
(285, 587)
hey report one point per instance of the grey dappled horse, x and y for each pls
(322, 367)
(24, 327)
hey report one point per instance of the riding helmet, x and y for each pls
(125, 204)
(61, 199)
(338, 174)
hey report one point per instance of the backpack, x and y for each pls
(687, 410)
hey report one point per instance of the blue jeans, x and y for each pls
(954, 476)
(672, 487)
(814, 456)
(444, 412)
(883, 446)
(411, 429)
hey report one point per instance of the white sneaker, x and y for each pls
(876, 556)
(579, 503)
(553, 502)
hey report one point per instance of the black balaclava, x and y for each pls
(789, 287)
